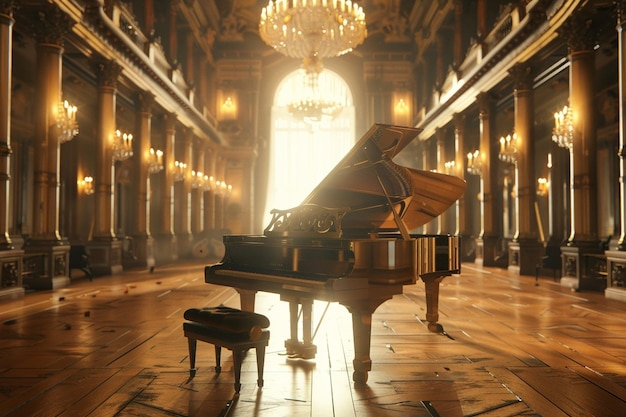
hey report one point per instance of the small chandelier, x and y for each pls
(543, 186)
(122, 146)
(312, 107)
(474, 163)
(563, 132)
(208, 183)
(449, 167)
(155, 161)
(312, 28)
(66, 121)
(197, 179)
(85, 185)
(180, 170)
(508, 149)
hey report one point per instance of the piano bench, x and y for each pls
(232, 329)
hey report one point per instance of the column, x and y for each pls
(458, 34)
(50, 25)
(427, 164)
(443, 220)
(6, 43)
(105, 249)
(10, 258)
(209, 196)
(616, 256)
(148, 12)
(183, 208)
(481, 16)
(487, 244)
(167, 246)
(525, 251)
(197, 193)
(173, 31)
(462, 209)
(143, 243)
(583, 239)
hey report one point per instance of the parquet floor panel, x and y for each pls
(512, 347)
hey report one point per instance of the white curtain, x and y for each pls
(301, 153)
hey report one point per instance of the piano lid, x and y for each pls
(374, 194)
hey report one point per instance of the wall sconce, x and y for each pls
(543, 186)
(122, 146)
(223, 189)
(66, 121)
(449, 167)
(197, 179)
(474, 163)
(229, 109)
(209, 183)
(155, 161)
(508, 149)
(85, 186)
(563, 132)
(180, 170)
(402, 107)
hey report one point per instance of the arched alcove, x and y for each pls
(302, 152)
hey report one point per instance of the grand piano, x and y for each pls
(350, 242)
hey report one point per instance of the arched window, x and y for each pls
(303, 152)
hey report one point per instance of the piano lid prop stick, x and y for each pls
(401, 226)
(320, 322)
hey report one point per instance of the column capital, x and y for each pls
(522, 75)
(580, 32)
(48, 23)
(485, 104)
(144, 102)
(107, 72)
(7, 7)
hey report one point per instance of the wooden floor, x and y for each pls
(114, 347)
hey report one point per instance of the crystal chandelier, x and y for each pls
(155, 161)
(66, 121)
(122, 146)
(311, 107)
(474, 163)
(563, 132)
(312, 28)
(508, 149)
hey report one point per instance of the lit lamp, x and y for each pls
(180, 170)
(122, 146)
(208, 183)
(66, 121)
(312, 30)
(563, 132)
(229, 109)
(508, 149)
(155, 161)
(197, 179)
(85, 186)
(449, 167)
(401, 108)
(474, 163)
(543, 186)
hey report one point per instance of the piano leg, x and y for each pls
(246, 299)
(362, 333)
(432, 302)
(305, 349)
